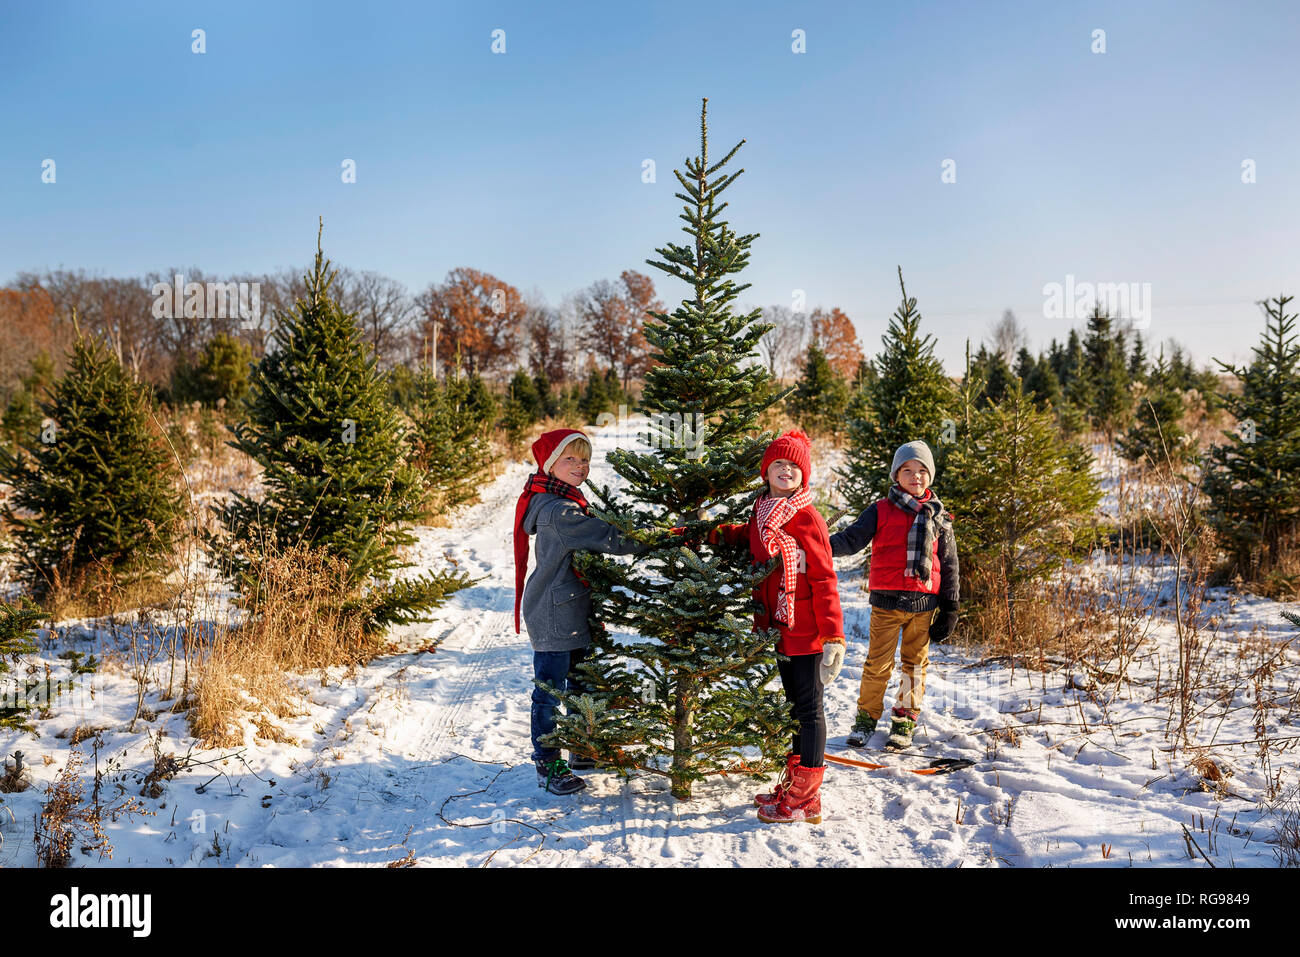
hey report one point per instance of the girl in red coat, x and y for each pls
(800, 599)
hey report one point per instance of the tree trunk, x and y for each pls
(683, 745)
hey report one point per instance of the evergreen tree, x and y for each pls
(1253, 478)
(865, 377)
(1025, 364)
(996, 373)
(820, 396)
(595, 397)
(546, 403)
(1137, 360)
(17, 637)
(614, 389)
(1042, 384)
(1014, 486)
(220, 376)
(1157, 437)
(1108, 400)
(96, 495)
(910, 399)
(522, 407)
(1070, 370)
(334, 454)
(21, 421)
(688, 696)
(450, 438)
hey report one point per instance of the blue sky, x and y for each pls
(1123, 166)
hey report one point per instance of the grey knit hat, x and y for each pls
(909, 451)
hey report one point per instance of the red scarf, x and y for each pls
(538, 483)
(771, 514)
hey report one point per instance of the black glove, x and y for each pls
(944, 622)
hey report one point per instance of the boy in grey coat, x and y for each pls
(556, 602)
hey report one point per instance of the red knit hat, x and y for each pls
(793, 445)
(546, 450)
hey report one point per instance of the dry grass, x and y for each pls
(68, 821)
(300, 621)
(93, 593)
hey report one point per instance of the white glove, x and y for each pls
(832, 660)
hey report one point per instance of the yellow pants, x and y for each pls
(885, 626)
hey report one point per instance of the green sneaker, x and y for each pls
(901, 728)
(863, 727)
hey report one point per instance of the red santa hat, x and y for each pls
(794, 446)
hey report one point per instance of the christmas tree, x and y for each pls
(909, 399)
(820, 396)
(1105, 376)
(219, 377)
(1253, 479)
(96, 499)
(1156, 437)
(22, 415)
(451, 424)
(334, 454)
(17, 637)
(687, 697)
(1014, 486)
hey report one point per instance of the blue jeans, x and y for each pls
(556, 668)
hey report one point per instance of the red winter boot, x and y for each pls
(773, 796)
(800, 801)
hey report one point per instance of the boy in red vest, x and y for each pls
(801, 600)
(913, 572)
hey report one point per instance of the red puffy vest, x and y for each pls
(889, 552)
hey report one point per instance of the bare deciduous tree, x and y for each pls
(1007, 336)
(782, 345)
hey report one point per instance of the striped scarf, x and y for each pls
(770, 514)
(929, 520)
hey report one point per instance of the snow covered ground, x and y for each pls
(423, 756)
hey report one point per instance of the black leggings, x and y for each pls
(801, 678)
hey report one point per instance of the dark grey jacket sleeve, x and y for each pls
(857, 536)
(949, 573)
(577, 530)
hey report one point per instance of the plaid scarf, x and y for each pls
(929, 520)
(770, 514)
(538, 483)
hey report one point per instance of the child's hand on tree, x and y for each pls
(944, 621)
(832, 658)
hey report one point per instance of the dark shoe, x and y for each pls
(901, 728)
(581, 764)
(863, 728)
(556, 777)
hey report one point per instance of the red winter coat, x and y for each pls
(817, 613)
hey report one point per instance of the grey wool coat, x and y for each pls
(556, 604)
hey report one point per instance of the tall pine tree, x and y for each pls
(688, 696)
(909, 399)
(1253, 479)
(335, 458)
